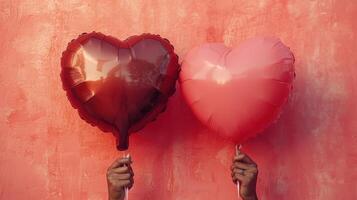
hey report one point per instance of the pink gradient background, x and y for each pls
(48, 152)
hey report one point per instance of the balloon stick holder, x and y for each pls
(126, 194)
(238, 147)
(126, 189)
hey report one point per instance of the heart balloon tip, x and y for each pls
(123, 146)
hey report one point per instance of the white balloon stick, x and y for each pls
(237, 149)
(126, 189)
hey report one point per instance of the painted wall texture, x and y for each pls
(48, 152)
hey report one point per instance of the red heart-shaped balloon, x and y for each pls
(119, 85)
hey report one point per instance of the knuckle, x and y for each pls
(111, 181)
(117, 184)
(108, 174)
(124, 168)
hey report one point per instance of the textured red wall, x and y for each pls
(48, 152)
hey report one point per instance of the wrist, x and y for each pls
(116, 195)
(250, 197)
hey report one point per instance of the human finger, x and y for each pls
(126, 176)
(121, 170)
(120, 162)
(243, 157)
(242, 165)
(237, 171)
(238, 177)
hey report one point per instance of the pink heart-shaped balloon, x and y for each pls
(238, 91)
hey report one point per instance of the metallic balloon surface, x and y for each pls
(238, 91)
(119, 85)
